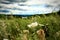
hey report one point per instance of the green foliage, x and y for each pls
(12, 27)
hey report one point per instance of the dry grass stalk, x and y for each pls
(58, 33)
(41, 34)
(25, 35)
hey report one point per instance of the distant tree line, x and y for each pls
(17, 0)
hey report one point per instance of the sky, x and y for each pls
(27, 7)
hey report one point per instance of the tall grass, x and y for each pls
(11, 27)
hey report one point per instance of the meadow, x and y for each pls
(15, 27)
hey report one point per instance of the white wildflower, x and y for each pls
(33, 24)
(5, 39)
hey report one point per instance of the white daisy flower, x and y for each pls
(33, 24)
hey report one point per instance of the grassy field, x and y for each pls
(15, 28)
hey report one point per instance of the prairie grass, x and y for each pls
(11, 27)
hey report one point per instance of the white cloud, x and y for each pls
(50, 2)
(32, 9)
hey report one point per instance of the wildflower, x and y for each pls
(5, 39)
(33, 24)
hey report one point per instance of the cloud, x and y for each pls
(29, 6)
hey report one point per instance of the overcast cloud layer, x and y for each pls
(28, 7)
